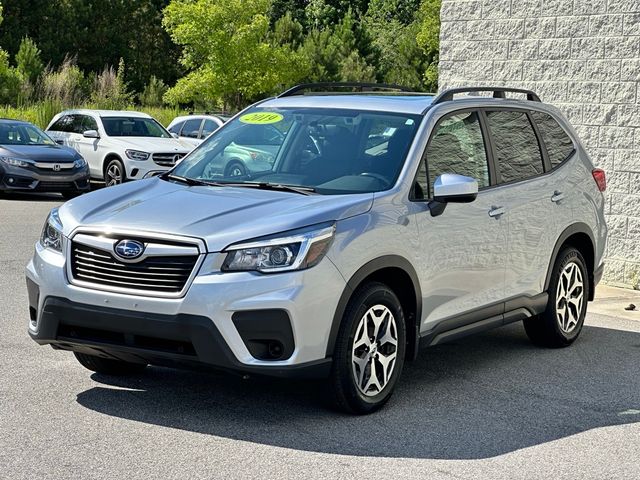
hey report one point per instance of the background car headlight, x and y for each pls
(79, 163)
(15, 162)
(137, 154)
(52, 232)
(291, 251)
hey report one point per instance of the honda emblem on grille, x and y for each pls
(56, 167)
(129, 249)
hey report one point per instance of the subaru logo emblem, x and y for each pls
(56, 167)
(129, 249)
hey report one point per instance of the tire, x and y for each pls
(235, 168)
(108, 366)
(355, 389)
(561, 322)
(114, 173)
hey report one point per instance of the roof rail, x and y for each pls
(362, 87)
(498, 92)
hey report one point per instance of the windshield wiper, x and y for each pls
(186, 180)
(275, 186)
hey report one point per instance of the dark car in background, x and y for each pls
(31, 161)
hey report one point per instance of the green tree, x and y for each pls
(28, 61)
(227, 52)
(9, 77)
(428, 39)
(153, 92)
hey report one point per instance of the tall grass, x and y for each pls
(42, 112)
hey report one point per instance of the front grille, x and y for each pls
(167, 159)
(160, 274)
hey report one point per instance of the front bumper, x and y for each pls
(25, 179)
(200, 329)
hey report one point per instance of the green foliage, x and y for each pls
(10, 80)
(227, 52)
(65, 85)
(429, 39)
(153, 92)
(110, 90)
(28, 61)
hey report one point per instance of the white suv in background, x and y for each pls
(118, 145)
(193, 129)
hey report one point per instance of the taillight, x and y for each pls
(600, 178)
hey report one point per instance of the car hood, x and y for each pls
(218, 215)
(151, 144)
(40, 153)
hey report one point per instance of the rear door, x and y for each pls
(462, 251)
(532, 222)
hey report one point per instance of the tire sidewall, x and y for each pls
(567, 256)
(373, 294)
(235, 163)
(118, 162)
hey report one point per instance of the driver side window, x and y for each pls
(457, 146)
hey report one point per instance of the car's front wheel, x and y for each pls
(108, 366)
(562, 321)
(114, 173)
(235, 168)
(370, 348)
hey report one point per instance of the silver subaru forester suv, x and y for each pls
(389, 221)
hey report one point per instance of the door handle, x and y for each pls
(557, 196)
(496, 212)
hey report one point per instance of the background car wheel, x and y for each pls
(562, 321)
(235, 168)
(370, 348)
(114, 173)
(108, 366)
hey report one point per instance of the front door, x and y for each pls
(463, 249)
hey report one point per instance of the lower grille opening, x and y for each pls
(118, 338)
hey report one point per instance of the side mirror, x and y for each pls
(91, 134)
(452, 188)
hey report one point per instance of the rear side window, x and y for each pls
(457, 146)
(208, 127)
(517, 152)
(63, 124)
(559, 144)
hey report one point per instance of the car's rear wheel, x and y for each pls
(108, 366)
(370, 348)
(562, 321)
(235, 168)
(114, 173)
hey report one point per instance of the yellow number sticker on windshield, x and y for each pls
(261, 118)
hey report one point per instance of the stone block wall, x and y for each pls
(584, 57)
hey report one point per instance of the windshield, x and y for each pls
(332, 151)
(134, 127)
(23, 134)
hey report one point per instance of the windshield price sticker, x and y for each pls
(261, 118)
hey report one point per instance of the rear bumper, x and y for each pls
(180, 340)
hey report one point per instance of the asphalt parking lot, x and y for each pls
(491, 406)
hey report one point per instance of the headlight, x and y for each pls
(79, 163)
(294, 251)
(137, 154)
(15, 162)
(52, 232)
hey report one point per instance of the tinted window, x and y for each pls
(176, 128)
(76, 124)
(191, 128)
(517, 152)
(457, 146)
(22, 134)
(63, 124)
(559, 145)
(208, 128)
(89, 123)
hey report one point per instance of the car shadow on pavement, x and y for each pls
(31, 197)
(476, 398)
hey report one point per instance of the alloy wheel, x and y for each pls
(114, 175)
(569, 297)
(375, 348)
